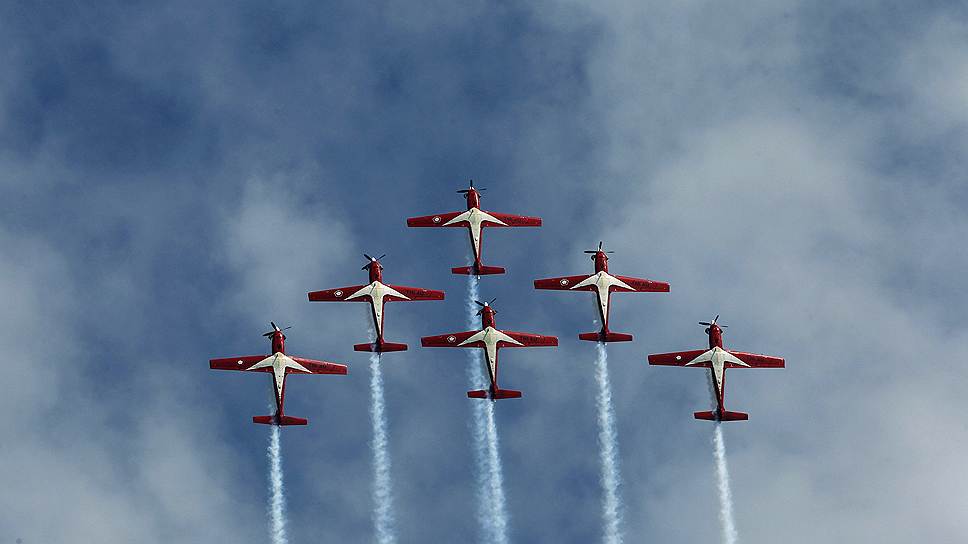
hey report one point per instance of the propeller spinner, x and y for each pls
(710, 324)
(465, 191)
(485, 305)
(372, 260)
(275, 329)
(599, 249)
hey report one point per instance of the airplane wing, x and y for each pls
(529, 340)
(452, 340)
(756, 361)
(564, 283)
(319, 367)
(510, 220)
(644, 286)
(678, 358)
(437, 220)
(235, 363)
(338, 295)
(416, 293)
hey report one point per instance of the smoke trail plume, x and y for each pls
(725, 495)
(726, 520)
(608, 453)
(492, 510)
(277, 500)
(382, 483)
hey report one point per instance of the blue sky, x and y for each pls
(176, 176)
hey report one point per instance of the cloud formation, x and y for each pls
(175, 176)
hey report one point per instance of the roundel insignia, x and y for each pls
(563, 281)
(436, 219)
(337, 293)
(451, 339)
(678, 357)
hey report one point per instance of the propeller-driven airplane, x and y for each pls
(717, 359)
(280, 365)
(474, 219)
(603, 284)
(490, 339)
(376, 293)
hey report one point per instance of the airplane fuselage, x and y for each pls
(375, 293)
(475, 217)
(717, 366)
(490, 336)
(278, 361)
(603, 283)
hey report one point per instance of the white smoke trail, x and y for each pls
(382, 484)
(277, 500)
(608, 442)
(726, 520)
(492, 510)
(725, 495)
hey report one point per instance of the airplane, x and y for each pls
(475, 219)
(490, 339)
(603, 284)
(717, 359)
(377, 294)
(280, 365)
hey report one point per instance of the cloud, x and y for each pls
(177, 176)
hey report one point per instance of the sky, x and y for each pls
(176, 175)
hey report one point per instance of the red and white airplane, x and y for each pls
(717, 360)
(474, 219)
(280, 365)
(603, 284)
(490, 339)
(377, 294)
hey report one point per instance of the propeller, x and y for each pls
(465, 191)
(599, 249)
(372, 260)
(715, 319)
(275, 329)
(485, 305)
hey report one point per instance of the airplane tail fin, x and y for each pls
(282, 420)
(497, 394)
(507, 394)
(477, 271)
(722, 416)
(380, 347)
(606, 337)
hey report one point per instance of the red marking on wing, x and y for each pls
(436, 220)
(451, 340)
(338, 295)
(678, 358)
(529, 340)
(513, 220)
(318, 367)
(232, 363)
(756, 361)
(416, 293)
(564, 283)
(644, 286)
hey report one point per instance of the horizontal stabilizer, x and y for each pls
(283, 420)
(499, 394)
(724, 416)
(380, 348)
(507, 394)
(477, 271)
(607, 337)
